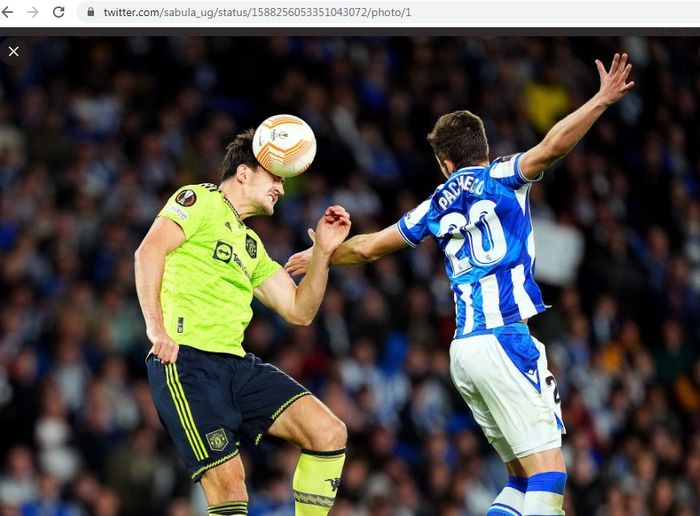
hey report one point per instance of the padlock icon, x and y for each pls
(91, 11)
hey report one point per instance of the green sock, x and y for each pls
(316, 481)
(227, 508)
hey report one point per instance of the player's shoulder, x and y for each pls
(508, 159)
(189, 195)
(505, 167)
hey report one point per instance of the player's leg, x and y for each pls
(515, 406)
(464, 358)
(545, 468)
(512, 497)
(321, 437)
(224, 488)
(548, 474)
(203, 424)
(273, 403)
(526, 406)
(546, 479)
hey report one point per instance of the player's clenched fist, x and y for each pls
(332, 228)
(164, 348)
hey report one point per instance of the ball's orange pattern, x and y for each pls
(285, 161)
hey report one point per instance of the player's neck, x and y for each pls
(237, 201)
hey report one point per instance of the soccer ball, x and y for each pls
(285, 145)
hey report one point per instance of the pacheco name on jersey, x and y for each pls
(462, 182)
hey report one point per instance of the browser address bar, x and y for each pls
(394, 13)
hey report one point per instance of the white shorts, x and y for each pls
(502, 375)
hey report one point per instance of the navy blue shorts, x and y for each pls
(206, 400)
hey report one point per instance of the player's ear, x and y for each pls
(449, 166)
(242, 173)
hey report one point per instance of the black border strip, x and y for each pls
(332, 453)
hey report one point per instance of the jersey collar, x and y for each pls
(233, 209)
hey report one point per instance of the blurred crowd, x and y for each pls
(96, 133)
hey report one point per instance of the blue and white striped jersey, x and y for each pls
(480, 218)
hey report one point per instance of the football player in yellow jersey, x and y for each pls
(197, 271)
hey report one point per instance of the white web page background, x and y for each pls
(365, 13)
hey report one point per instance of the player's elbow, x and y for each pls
(299, 319)
(139, 253)
(144, 253)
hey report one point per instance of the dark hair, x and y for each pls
(461, 138)
(239, 152)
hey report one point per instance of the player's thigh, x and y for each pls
(311, 425)
(196, 408)
(464, 358)
(505, 371)
(550, 390)
(519, 395)
(225, 483)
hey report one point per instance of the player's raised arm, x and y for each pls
(567, 132)
(149, 265)
(299, 304)
(359, 249)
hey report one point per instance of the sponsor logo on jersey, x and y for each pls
(223, 252)
(532, 376)
(217, 440)
(251, 246)
(181, 214)
(186, 198)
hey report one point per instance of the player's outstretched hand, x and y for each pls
(164, 348)
(332, 228)
(613, 84)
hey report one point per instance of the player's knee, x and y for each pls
(331, 435)
(340, 435)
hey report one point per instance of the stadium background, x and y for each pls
(95, 133)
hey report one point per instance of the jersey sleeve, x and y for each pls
(506, 170)
(265, 266)
(189, 208)
(413, 226)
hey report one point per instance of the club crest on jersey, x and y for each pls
(217, 439)
(251, 246)
(186, 198)
(223, 252)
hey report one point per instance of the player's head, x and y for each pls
(260, 187)
(460, 139)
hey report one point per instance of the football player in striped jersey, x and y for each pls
(480, 218)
